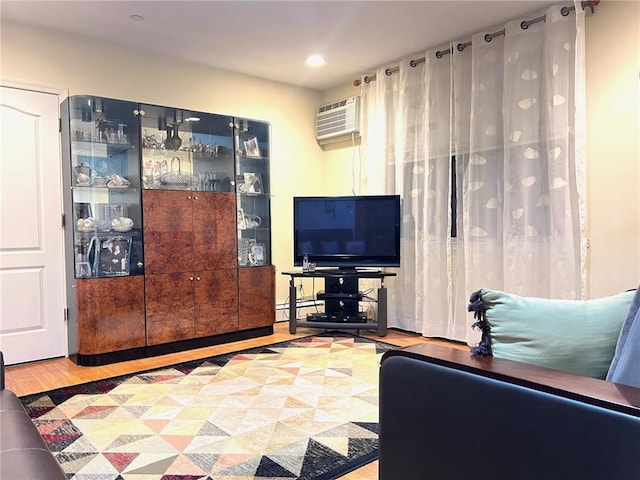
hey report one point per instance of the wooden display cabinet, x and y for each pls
(167, 226)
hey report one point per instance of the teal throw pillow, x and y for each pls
(570, 335)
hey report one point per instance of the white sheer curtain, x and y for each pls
(407, 142)
(508, 111)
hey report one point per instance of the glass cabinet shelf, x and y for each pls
(186, 150)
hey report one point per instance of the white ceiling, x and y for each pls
(271, 39)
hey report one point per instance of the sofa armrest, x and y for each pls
(455, 416)
(593, 391)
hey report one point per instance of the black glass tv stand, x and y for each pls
(341, 298)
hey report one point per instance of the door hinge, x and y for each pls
(60, 124)
(66, 314)
(63, 220)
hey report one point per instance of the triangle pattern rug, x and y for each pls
(301, 409)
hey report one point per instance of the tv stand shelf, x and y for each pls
(322, 295)
(341, 297)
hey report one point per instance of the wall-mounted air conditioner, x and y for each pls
(338, 120)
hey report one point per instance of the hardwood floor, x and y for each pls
(61, 372)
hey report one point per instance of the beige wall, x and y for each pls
(613, 146)
(85, 66)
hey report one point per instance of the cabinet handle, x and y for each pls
(198, 278)
(140, 264)
(189, 197)
(195, 198)
(191, 278)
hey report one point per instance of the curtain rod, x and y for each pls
(488, 37)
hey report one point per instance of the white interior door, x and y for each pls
(32, 282)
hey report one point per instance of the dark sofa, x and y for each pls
(447, 415)
(23, 453)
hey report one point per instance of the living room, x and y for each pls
(34, 56)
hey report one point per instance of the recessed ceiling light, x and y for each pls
(315, 60)
(136, 18)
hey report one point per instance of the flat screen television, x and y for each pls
(347, 232)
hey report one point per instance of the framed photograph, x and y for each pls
(113, 255)
(244, 250)
(252, 183)
(81, 210)
(83, 270)
(257, 255)
(251, 148)
(109, 211)
(97, 158)
(115, 210)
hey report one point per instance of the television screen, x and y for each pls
(347, 231)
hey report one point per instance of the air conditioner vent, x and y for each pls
(324, 108)
(338, 120)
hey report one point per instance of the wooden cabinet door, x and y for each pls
(190, 264)
(168, 231)
(257, 297)
(215, 243)
(216, 302)
(170, 307)
(110, 314)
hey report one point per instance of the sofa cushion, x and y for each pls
(570, 335)
(625, 367)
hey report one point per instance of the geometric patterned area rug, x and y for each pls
(301, 409)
